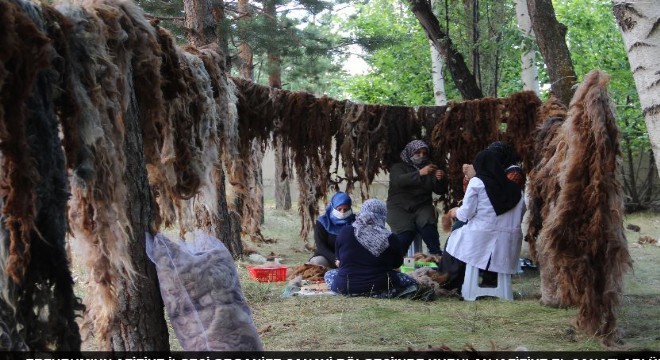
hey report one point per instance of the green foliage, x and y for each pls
(170, 13)
(397, 52)
(595, 43)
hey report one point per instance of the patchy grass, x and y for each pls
(336, 322)
(342, 323)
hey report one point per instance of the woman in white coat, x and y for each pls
(493, 208)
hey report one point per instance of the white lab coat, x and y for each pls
(486, 235)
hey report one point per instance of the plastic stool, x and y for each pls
(415, 246)
(471, 289)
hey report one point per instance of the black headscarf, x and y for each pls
(506, 154)
(502, 193)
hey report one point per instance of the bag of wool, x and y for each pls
(202, 294)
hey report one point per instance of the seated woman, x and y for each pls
(492, 237)
(337, 215)
(509, 160)
(368, 255)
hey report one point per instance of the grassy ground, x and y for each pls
(340, 323)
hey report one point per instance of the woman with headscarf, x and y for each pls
(509, 160)
(492, 237)
(337, 215)
(410, 207)
(368, 255)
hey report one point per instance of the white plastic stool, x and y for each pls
(415, 246)
(471, 289)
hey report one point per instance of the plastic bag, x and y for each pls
(202, 294)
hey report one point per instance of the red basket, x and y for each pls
(267, 274)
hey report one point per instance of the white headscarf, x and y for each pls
(369, 227)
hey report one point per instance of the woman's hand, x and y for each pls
(452, 212)
(427, 169)
(468, 171)
(337, 263)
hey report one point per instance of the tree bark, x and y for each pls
(140, 324)
(551, 38)
(638, 22)
(438, 76)
(202, 17)
(463, 78)
(282, 184)
(530, 75)
(200, 24)
(255, 207)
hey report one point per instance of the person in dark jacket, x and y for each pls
(337, 215)
(410, 207)
(368, 255)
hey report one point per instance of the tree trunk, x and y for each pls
(140, 324)
(255, 207)
(463, 78)
(530, 75)
(200, 24)
(282, 186)
(551, 38)
(438, 76)
(228, 228)
(245, 55)
(472, 13)
(202, 17)
(638, 22)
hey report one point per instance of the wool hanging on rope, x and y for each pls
(581, 244)
(468, 127)
(369, 138)
(542, 182)
(37, 303)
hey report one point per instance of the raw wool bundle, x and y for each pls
(97, 210)
(311, 148)
(205, 139)
(583, 239)
(162, 177)
(213, 60)
(467, 128)
(255, 114)
(521, 121)
(231, 154)
(543, 182)
(427, 117)
(372, 137)
(230, 140)
(362, 131)
(202, 294)
(187, 160)
(25, 53)
(430, 283)
(146, 70)
(308, 272)
(38, 310)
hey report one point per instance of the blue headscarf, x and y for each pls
(332, 224)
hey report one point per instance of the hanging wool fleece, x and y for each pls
(37, 303)
(97, 209)
(582, 249)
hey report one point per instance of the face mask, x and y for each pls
(419, 160)
(341, 215)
